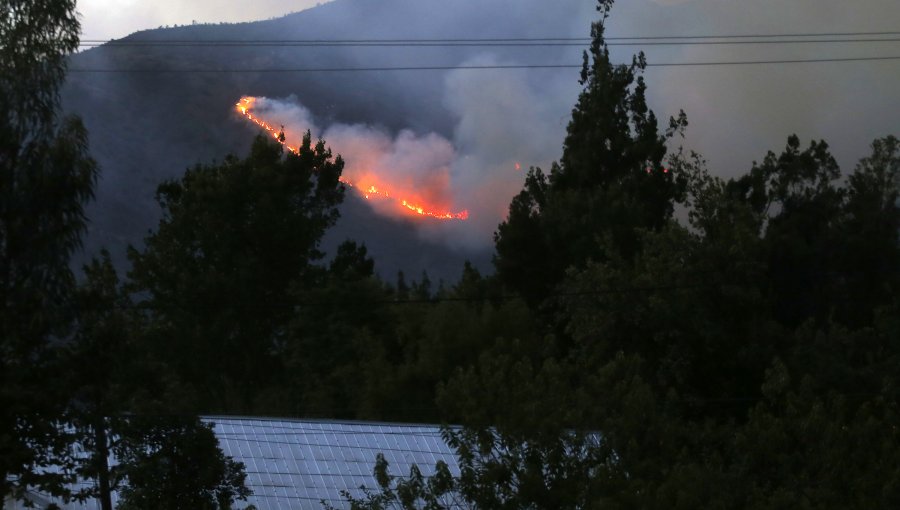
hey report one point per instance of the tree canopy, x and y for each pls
(743, 354)
(610, 182)
(46, 176)
(236, 243)
(66, 351)
(745, 358)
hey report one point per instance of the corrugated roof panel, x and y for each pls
(295, 464)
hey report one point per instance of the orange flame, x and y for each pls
(245, 106)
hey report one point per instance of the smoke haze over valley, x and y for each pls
(454, 135)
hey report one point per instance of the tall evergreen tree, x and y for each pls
(117, 410)
(713, 362)
(609, 182)
(46, 177)
(237, 242)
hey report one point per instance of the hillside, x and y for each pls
(173, 109)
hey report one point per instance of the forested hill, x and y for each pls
(168, 113)
(741, 355)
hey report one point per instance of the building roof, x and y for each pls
(296, 464)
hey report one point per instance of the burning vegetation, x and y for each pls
(367, 183)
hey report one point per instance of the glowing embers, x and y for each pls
(365, 187)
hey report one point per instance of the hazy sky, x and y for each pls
(111, 19)
(736, 112)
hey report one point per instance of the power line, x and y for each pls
(353, 41)
(491, 40)
(759, 36)
(766, 62)
(330, 69)
(430, 44)
(478, 67)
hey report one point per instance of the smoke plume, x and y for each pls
(504, 125)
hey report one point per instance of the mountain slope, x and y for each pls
(173, 110)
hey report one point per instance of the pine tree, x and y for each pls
(610, 181)
(236, 242)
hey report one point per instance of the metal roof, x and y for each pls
(294, 464)
(297, 464)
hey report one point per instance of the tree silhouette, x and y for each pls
(46, 177)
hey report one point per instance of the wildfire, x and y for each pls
(245, 108)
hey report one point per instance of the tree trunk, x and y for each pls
(102, 460)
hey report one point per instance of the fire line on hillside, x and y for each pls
(372, 191)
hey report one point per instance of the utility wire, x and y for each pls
(451, 41)
(480, 67)
(760, 36)
(430, 44)
(766, 62)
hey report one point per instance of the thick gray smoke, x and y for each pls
(737, 113)
(504, 125)
(387, 168)
(507, 122)
(485, 121)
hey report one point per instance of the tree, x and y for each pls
(824, 433)
(170, 462)
(869, 261)
(113, 411)
(795, 196)
(103, 372)
(236, 243)
(338, 340)
(701, 390)
(416, 492)
(609, 182)
(46, 177)
(719, 362)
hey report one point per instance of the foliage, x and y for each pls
(337, 336)
(113, 401)
(868, 233)
(746, 359)
(683, 380)
(236, 242)
(102, 371)
(518, 471)
(46, 177)
(415, 492)
(175, 463)
(610, 181)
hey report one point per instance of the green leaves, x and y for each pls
(175, 463)
(610, 181)
(728, 363)
(46, 177)
(238, 241)
(439, 491)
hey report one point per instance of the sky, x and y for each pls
(113, 19)
(737, 113)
